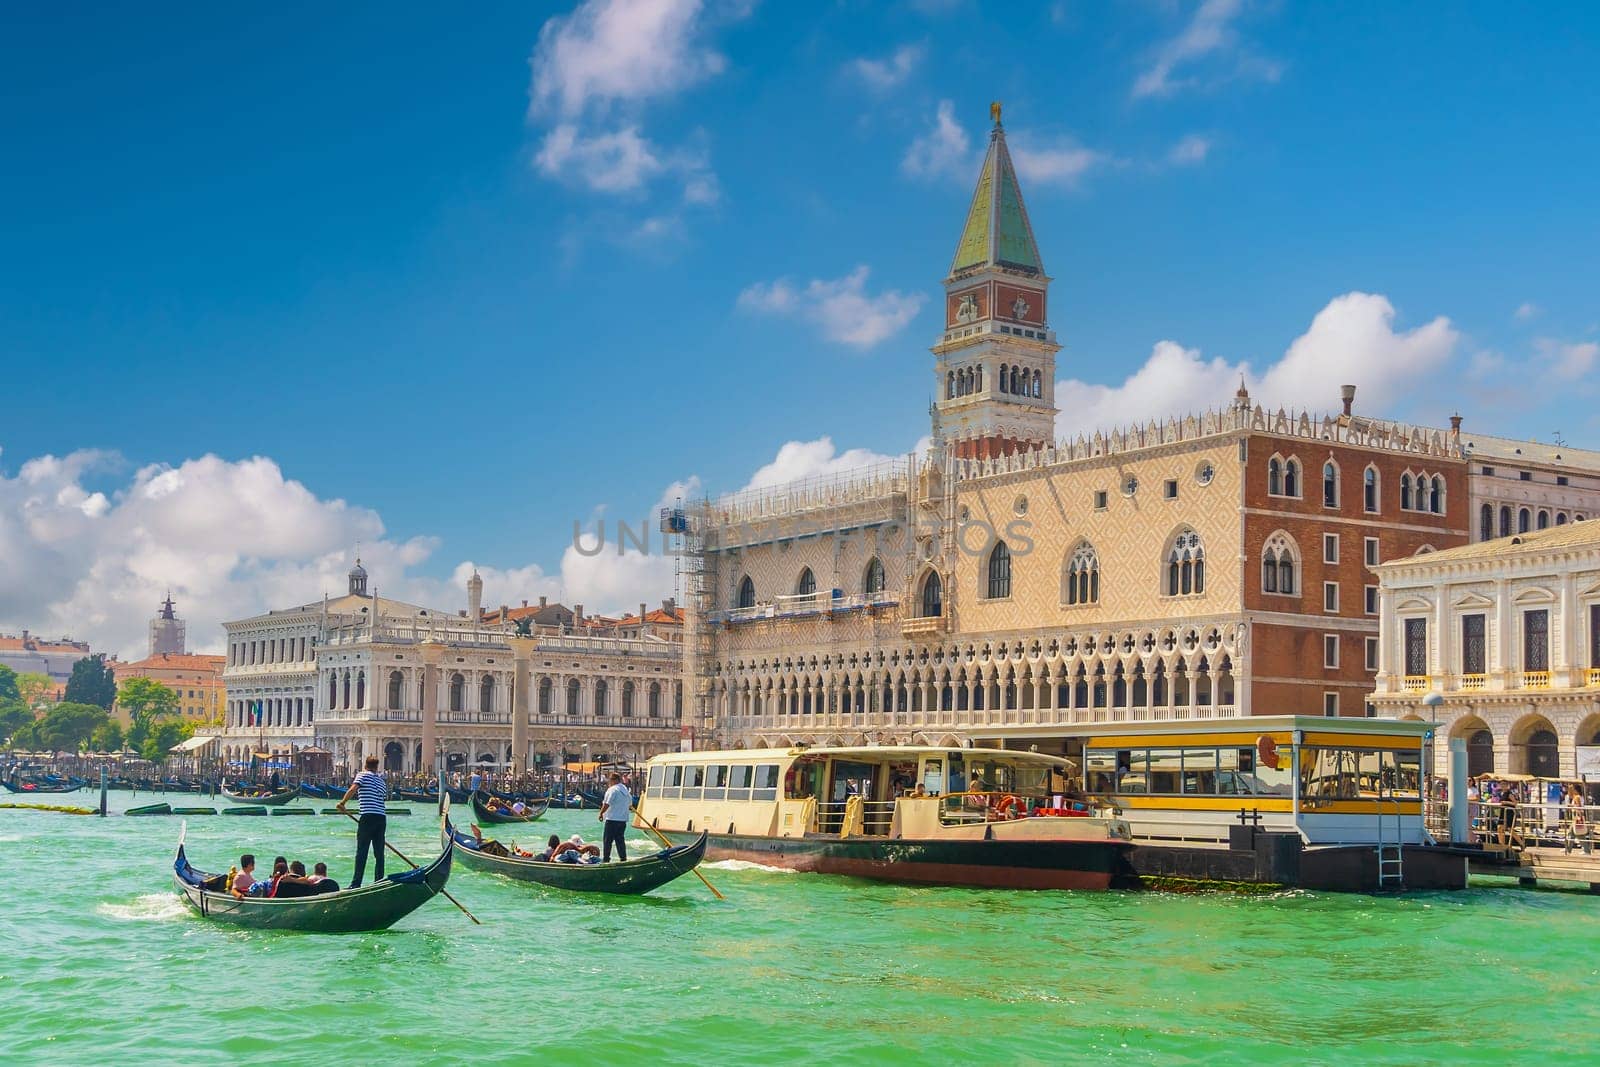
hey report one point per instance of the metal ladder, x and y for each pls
(1391, 854)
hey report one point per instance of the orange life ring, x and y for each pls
(1005, 805)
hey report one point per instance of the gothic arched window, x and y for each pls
(1280, 566)
(1405, 492)
(1186, 565)
(807, 583)
(458, 691)
(874, 581)
(932, 596)
(1274, 477)
(1291, 478)
(1330, 484)
(747, 593)
(1436, 495)
(1083, 575)
(1369, 490)
(999, 584)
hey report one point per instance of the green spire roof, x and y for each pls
(997, 233)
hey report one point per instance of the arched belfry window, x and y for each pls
(932, 596)
(747, 593)
(1280, 566)
(874, 580)
(1038, 384)
(950, 385)
(1016, 380)
(999, 583)
(1002, 377)
(1186, 565)
(1083, 575)
(807, 583)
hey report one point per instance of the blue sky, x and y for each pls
(477, 278)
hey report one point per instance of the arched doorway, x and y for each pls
(1480, 744)
(1535, 748)
(394, 756)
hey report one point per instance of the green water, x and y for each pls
(99, 961)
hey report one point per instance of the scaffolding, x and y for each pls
(694, 582)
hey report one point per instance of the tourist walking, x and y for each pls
(373, 792)
(615, 809)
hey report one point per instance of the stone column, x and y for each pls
(521, 693)
(432, 654)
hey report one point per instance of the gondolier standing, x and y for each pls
(372, 791)
(615, 810)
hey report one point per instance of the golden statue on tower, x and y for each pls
(994, 111)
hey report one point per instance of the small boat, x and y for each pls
(630, 877)
(480, 808)
(151, 809)
(316, 792)
(30, 785)
(265, 796)
(375, 906)
(420, 796)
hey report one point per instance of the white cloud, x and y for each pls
(1208, 35)
(1189, 151)
(841, 308)
(944, 151)
(611, 51)
(1567, 362)
(1061, 162)
(1351, 340)
(1526, 310)
(812, 459)
(891, 71)
(595, 69)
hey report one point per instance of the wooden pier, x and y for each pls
(1532, 866)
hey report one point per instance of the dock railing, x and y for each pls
(1537, 825)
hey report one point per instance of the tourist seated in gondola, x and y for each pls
(245, 877)
(576, 850)
(294, 883)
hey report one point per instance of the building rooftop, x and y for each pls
(1555, 538)
(1481, 446)
(173, 661)
(997, 233)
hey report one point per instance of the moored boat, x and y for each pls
(376, 906)
(971, 817)
(628, 877)
(502, 811)
(32, 785)
(265, 796)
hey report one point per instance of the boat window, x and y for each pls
(933, 776)
(1200, 771)
(739, 781)
(1100, 771)
(1330, 774)
(766, 786)
(1196, 771)
(1165, 771)
(670, 788)
(694, 777)
(716, 782)
(657, 775)
(803, 780)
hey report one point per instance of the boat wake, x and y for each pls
(745, 865)
(151, 907)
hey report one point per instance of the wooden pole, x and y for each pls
(668, 843)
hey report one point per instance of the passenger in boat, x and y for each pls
(550, 849)
(246, 877)
(576, 850)
(292, 883)
(320, 880)
(519, 809)
(280, 868)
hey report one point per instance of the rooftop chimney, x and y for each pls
(669, 605)
(641, 613)
(1347, 393)
(541, 602)
(577, 612)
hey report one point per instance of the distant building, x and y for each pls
(168, 635)
(34, 655)
(1507, 633)
(197, 680)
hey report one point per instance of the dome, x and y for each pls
(358, 579)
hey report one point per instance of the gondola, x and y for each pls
(282, 796)
(480, 808)
(629, 878)
(375, 906)
(31, 787)
(420, 796)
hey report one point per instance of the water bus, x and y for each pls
(944, 816)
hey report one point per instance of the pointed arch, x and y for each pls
(1436, 500)
(998, 584)
(930, 595)
(1185, 564)
(1280, 565)
(1275, 476)
(1406, 499)
(1291, 477)
(747, 593)
(1330, 483)
(1370, 495)
(1080, 576)
(806, 584)
(873, 580)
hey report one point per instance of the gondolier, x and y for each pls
(372, 792)
(615, 810)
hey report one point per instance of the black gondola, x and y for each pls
(32, 786)
(631, 877)
(271, 799)
(376, 906)
(480, 808)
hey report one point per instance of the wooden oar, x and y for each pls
(668, 843)
(442, 891)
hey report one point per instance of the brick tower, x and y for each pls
(995, 362)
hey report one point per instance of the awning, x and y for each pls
(192, 744)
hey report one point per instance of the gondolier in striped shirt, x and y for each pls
(372, 791)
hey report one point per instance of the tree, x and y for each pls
(107, 738)
(8, 684)
(145, 699)
(14, 716)
(164, 733)
(36, 688)
(68, 726)
(91, 683)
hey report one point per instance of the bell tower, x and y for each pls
(995, 362)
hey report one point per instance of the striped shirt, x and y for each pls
(371, 792)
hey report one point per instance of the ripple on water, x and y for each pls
(150, 907)
(745, 865)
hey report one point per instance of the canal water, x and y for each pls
(101, 962)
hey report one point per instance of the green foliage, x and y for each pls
(107, 738)
(164, 733)
(92, 683)
(145, 699)
(35, 688)
(8, 685)
(14, 716)
(67, 727)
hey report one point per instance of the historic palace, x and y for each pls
(1212, 565)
